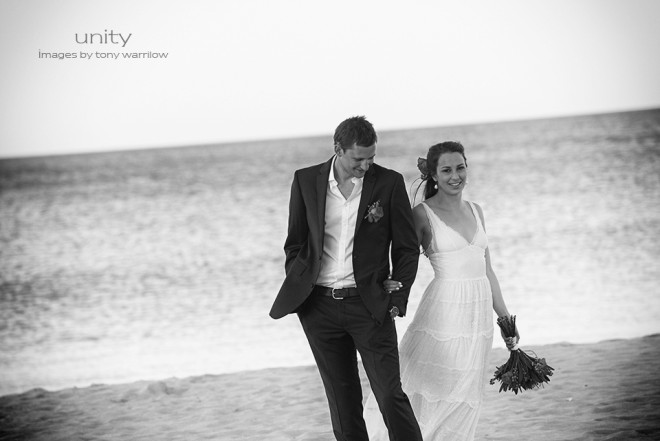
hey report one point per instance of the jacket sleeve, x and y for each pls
(405, 251)
(298, 229)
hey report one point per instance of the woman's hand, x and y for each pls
(511, 342)
(392, 285)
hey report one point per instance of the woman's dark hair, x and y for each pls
(432, 163)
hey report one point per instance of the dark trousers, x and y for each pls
(335, 329)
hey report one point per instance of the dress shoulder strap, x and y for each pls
(429, 218)
(476, 214)
(430, 215)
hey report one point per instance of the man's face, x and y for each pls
(355, 160)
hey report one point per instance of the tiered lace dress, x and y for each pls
(444, 352)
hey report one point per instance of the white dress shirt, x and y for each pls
(340, 220)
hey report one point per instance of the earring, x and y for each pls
(435, 186)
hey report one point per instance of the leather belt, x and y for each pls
(336, 293)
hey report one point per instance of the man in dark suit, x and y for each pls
(347, 218)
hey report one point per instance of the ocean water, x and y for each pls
(150, 264)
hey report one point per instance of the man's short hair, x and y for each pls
(355, 130)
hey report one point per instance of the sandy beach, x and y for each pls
(601, 391)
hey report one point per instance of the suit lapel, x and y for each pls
(322, 192)
(367, 190)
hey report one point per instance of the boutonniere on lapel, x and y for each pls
(374, 212)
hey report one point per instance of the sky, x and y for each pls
(257, 69)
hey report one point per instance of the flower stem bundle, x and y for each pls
(522, 371)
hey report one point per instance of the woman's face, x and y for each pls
(451, 173)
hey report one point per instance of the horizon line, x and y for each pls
(136, 148)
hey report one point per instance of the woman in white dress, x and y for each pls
(444, 352)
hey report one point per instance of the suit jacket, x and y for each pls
(392, 236)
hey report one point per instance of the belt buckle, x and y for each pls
(333, 293)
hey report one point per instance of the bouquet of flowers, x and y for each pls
(522, 371)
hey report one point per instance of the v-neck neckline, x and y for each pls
(476, 231)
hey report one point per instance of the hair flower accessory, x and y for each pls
(422, 166)
(374, 212)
